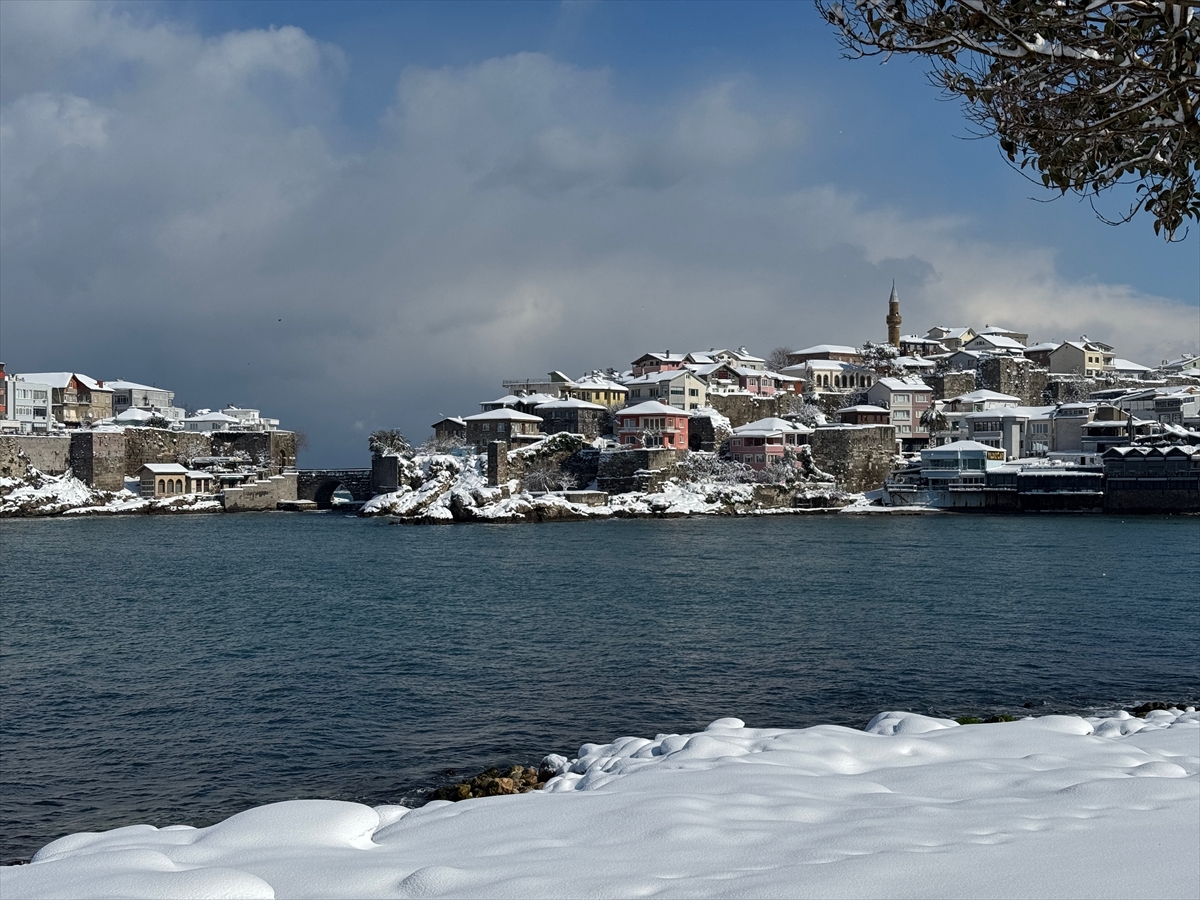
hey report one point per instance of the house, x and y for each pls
(172, 479)
(1125, 368)
(1020, 431)
(726, 378)
(976, 401)
(509, 425)
(653, 424)
(528, 403)
(997, 331)
(962, 360)
(131, 395)
(1039, 354)
(76, 400)
(951, 337)
(911, 344)
(741, 357)
(573, 416)
(451, 429)
(915, 365)
(766, 441)
(206, 422)
(28, 406)
(658, 362)
(1091, 359)
(596, 387)
(680, 388)
(249, 419)
(960, 464)
(995, 345)
(556, 385)
(906, 399)
(837, 352)
(1184, 363)
(863, 414)
(828, 376)
(508, 401)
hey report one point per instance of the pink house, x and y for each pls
(759, 444)
(653, 424)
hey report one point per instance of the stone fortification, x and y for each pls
(98, 458)
(158, 445)
(273, 451)
(622, 471)
(49, 454)
(1015, 377)
(740, 409)
(266, 493)
(947, 385)
(860, 457)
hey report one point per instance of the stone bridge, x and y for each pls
(319, 485)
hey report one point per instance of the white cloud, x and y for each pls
(198, 227)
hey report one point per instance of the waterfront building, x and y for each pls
(653, 424)
(960, 464)
(76, 400)
(28, 406)
(505, 424)
(766, 441)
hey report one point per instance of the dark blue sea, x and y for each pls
(180, 669)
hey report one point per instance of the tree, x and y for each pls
(388, 442)
(778, 358)
(1086, 94)
(881, 357)
(934, 420)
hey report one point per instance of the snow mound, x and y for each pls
(1056, 807)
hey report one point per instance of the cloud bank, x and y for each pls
(192, 211)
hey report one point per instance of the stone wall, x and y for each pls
(622, 471)
(259, 495)
(497, 463)
(274, 451)
(98, 458)
(1017, 378)
(743, 408)
(947, 385)
(158, 445)
(49, 454)
(860, 457)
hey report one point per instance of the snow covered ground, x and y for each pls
(48, 495)
(1057, 806)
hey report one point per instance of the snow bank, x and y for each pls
(37, 494)
(1059, 806)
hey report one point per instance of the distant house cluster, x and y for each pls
(50, 402)
(657, 401)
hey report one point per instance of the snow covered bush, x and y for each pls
(389, 442)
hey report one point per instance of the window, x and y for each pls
(899, 398)
(486, 427)
(500, 428)
(920, 398)
(737, 442)
(678, 391)
(637, 392)
(693, 392)
(904, 429)
(1040, 428)
(900, 415)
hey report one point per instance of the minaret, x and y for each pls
(893, 317)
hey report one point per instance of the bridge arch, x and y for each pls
(319, 485)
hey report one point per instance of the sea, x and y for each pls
(180, 669)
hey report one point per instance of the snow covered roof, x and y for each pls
(665, 356)
(955, 331)
(599, 381)
(212, 417)
(655, 377)
(1125, 365)
(829, 365)
(957, 447)
(828, 348)
(571, 403)
(119, 385)
(651, 408)
(1011, 412)
(864, 408)
(914, 362)
(457, 420)
(1000, 341)
(502, 415)
(772, 425)
(165, 468)
(1044, 346)
(133, 414)
(62, 379)
(983, 394)
(536, 399)
(905, 384)
(506, 400)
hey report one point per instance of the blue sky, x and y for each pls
(360, 215)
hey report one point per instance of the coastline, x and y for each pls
(1032, 806)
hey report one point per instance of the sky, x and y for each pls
(367, 215)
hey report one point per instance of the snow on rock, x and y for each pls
(1059, 806)
(38, 494)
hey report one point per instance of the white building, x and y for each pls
(207, 422)
(249, 419)
(131, 395)
(960, 464)
(28, 406)
(680, 388)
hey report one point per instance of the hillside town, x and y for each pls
(956, 418)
